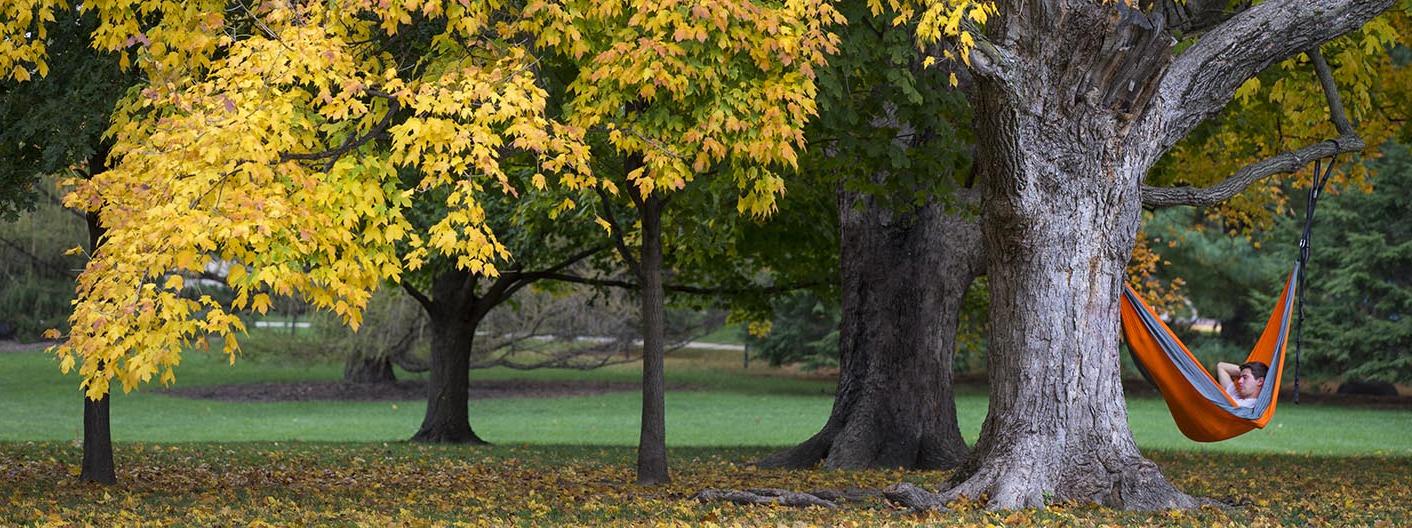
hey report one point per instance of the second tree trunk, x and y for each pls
(904, 277)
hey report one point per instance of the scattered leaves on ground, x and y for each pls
(260, 484)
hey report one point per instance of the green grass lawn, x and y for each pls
(722, 406)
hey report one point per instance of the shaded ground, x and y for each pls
(10, 345)
(401, 484)
(399, 391)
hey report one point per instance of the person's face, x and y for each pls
(1247, 385)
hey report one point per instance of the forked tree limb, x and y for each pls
(1283, 163)
(1205, 76)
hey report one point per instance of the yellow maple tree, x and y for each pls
(269, 141)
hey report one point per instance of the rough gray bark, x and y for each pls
(453, 324)
(652, 443)
(764, 496)
(904, 276)
(1076, 102)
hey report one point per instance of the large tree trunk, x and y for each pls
(1062, 207)
(904, 277)
(97, 433)
(652, 444)
(453, 326)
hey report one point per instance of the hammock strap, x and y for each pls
(1316, 188)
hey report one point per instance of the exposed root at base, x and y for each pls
(916, 498)
(823, 498)
(1136, 485)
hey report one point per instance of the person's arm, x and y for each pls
(1226, 372)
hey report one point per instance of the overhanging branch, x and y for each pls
(1284, 163)
(1204, 77)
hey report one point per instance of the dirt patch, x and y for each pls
(7, 345)
(398, 391)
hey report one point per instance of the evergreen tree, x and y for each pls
(1358, 307)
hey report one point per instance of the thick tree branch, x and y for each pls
(1204, 77)
(1284, 163)
(525, 278)
(558, 267)
(421, 298)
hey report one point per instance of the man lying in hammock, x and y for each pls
(1249, 378)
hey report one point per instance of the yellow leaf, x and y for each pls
(261, 303)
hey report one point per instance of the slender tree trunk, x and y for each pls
(453, 327)
(904, 277)
(652, 444)
(97, 443)
(97, 433)
(1062, 207)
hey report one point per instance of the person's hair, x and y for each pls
(1257, 369)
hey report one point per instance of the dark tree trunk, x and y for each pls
(453, 325)
(1062, 207)
(904, 277)
(652, 444)
(362, 369)
(97, 443)
(1236, 328)
(97, 433)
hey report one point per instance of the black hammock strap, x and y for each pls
(1316, 189)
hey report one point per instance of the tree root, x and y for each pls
(915, 498)
(1133, 484)
(765, 496)
(824, 498)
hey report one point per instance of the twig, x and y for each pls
(352, 142)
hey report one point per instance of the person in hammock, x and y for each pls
(1243, 382)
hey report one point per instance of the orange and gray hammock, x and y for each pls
(1201, 407)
